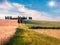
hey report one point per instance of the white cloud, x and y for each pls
(57, 8)
(58, 18)
(5, 5)
(33, 13)
(23, 11)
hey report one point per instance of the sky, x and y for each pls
(38, 9)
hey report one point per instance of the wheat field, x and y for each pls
(7, 30)
(50, 32)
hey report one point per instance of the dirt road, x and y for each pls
(7, 30)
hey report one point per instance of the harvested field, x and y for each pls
(7, 30)
(8, 22)
(50, 32)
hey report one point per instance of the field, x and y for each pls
(7, 30)
(31, 23)
(24, 35)
(51, 32)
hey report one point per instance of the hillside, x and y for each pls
(31, 23)
(25, 36)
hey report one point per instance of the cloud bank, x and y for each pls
(15, 9)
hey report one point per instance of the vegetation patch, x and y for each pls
(25, 36)
(38, 27)
(32, 24)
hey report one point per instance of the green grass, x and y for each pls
(29, 37)
(31, 23)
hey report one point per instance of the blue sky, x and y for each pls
(41, 7)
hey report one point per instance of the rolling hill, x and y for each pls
(26, 36)
(31, 23)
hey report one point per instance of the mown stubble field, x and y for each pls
(7, 30)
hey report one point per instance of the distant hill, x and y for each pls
(42, 23)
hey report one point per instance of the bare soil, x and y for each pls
(7, 30)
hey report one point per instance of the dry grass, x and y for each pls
(50, 32)
(7, 30)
